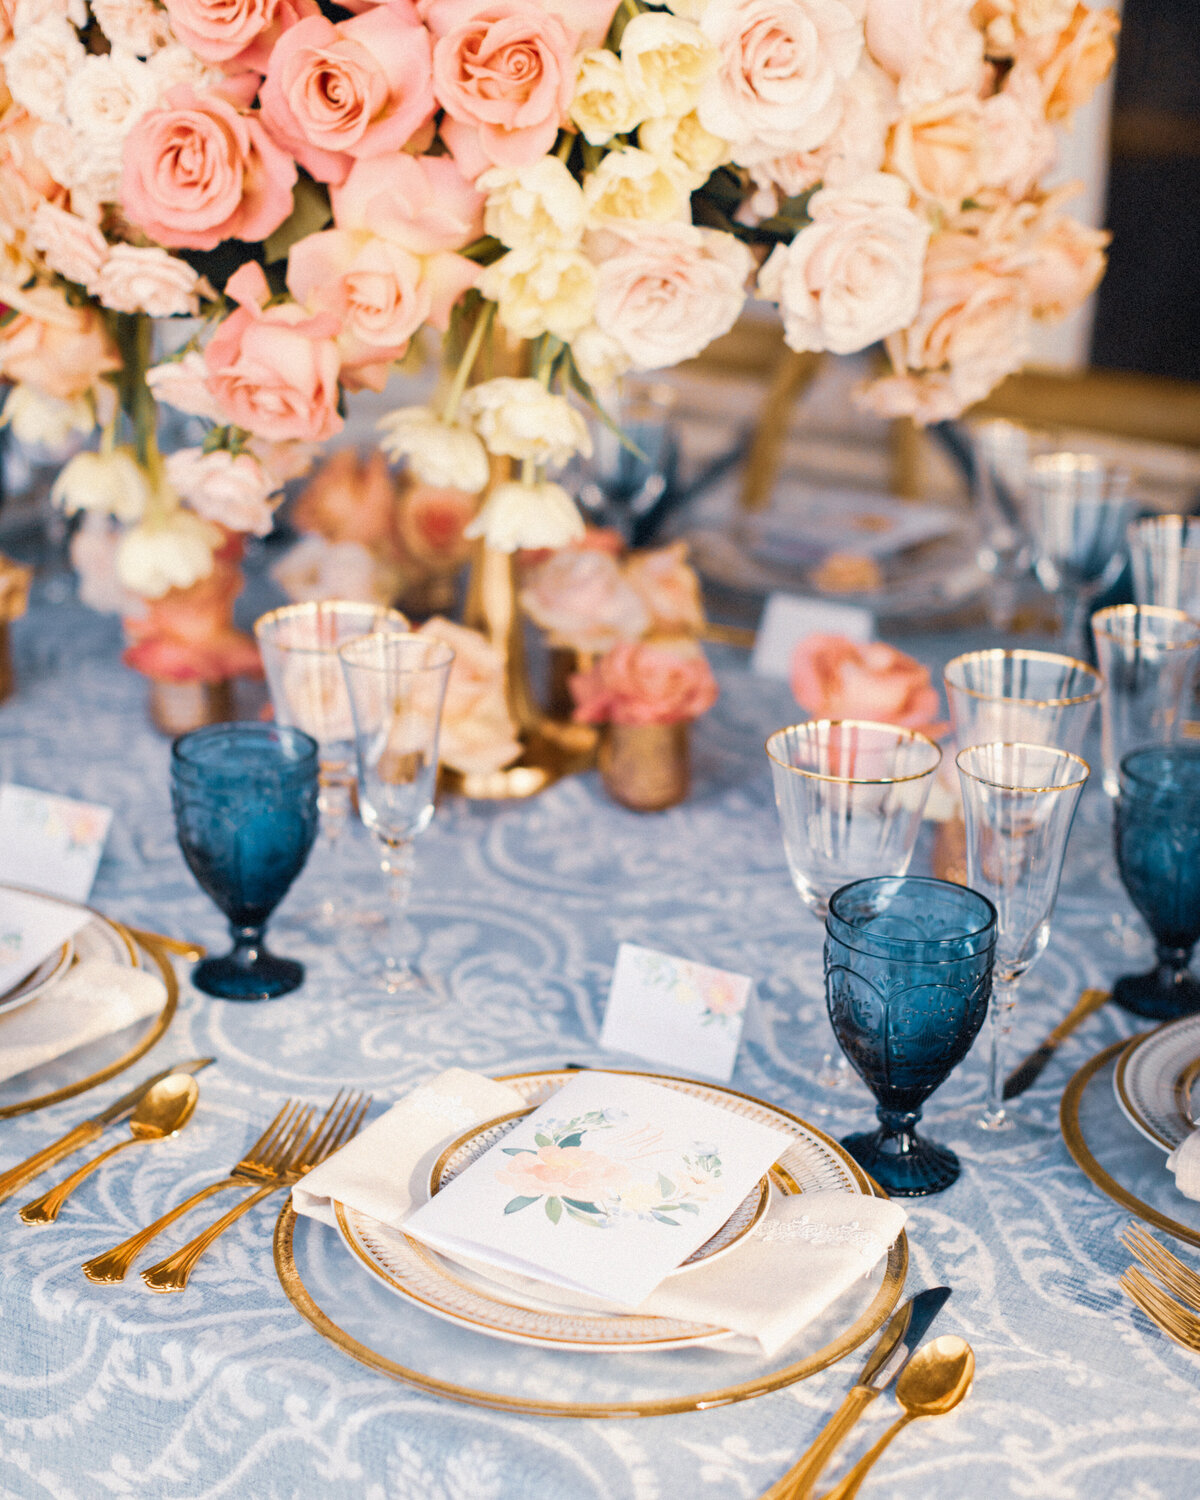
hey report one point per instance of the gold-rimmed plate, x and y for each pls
(1148, 1081)
(39, 978)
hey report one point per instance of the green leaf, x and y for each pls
(586, 1208)
(310, 213)
(662, 1219)
(688, 1208)
(515, 1205)
(594, 1222)
(517, 1151)
(665, 1186)
(543, 1139)
(553, 1210)
(574, 1139)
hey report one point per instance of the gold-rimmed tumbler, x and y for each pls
(1023, 697)
(1164, 552)
(299, 645)
(1148, 655)
(1019, 802)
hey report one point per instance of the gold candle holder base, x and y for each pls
(178, 707)
(645, 767)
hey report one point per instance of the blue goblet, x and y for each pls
(908, 976)
(1157, 831)
(245, 800)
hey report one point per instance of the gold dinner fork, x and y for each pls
(340, 1122)
(262, 1163)
(1175, 1321)
(1169, 1269)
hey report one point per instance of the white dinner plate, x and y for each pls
(39, 978)
(1145, 1078)
(98, 939)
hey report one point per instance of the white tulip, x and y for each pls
(517, 516)
(522, 419)
(170, 552)
(114, 484)
(41, 421)
(439, 453)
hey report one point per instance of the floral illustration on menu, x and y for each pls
(717, 997)
(629, 1174)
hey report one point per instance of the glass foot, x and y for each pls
(905, 1166)
(265, 978)
(407, 983)
(835, 1072)
(1159, 996)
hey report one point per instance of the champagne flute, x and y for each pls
(1019, 801)
(397, 686)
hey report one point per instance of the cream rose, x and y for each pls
(439, 453)
(171, 552)
(478, 735)
(139, 26)
(1019, 144)
(602, 105)
(940, 149)
(856, 146)
(633, 184)
(229, 489)
(106, 95)
(39, 63)
(667, 61)
(931, 48)
(854, 274)
(542, 291)
(72, 246)
(684, 146)
(519, 516)
(598, 357)
(146, 279)
(522, 419)
(530, 206)
(113, 484)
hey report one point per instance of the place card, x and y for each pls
(50, 843)
(30, 930)
(676, 1011)
(788, 618)
(605, 1189)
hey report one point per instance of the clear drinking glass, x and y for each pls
(850, 795)
(1148, 656)
(299, 645)
(1078, 508)
(396, 686)
(1019, 802)
(1026, 697)
(1165, 554)
(1000, 453)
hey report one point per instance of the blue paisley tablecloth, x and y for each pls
(225, 1391)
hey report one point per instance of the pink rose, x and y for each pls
(198, 172)
(569, 1170)
(229, 489)
(588, 20)
(240, 33)
(183, 384)
(477, 735)
(1019, 144)
(506, 74)
(836, 678)
(855, 147)
(433, 521)
(274, 370)
(645, 682)
(145, 279)
(349, 500)
(423, 203)
(668, 587)
(580, 598)
(930, 47)
(188, 635)
(939, 149)
(1072, 63)
(60, 349)
(360, 88)
(1065, 266)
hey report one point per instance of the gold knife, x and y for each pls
(89, 1130)
(1026, 1072)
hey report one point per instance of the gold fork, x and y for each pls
(341, 1121)
(1169, 1269)
(1175, 1321)
(261, 1163)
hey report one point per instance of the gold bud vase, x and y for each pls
(178, 707)
(646, 767)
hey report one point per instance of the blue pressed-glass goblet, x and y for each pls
(908, 976)
(1157, 832)
(245, 800)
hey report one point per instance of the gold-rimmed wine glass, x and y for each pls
(1023, 696)
(1019, 802)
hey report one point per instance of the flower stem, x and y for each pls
(470, 354)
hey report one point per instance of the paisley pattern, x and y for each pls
(226, 1392)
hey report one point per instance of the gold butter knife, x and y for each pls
(1026, 1072)
(194, 951)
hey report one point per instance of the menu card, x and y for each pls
(51, 843)
(607, 1188)
(31, 928)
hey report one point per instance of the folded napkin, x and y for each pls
(94, 999)
(805, 1254)
(1184, 1162)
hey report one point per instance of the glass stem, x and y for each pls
(247, 944)
(398, 862)
(1075, 605)
(1172, 965)
(333, 801)
(1000, 1013)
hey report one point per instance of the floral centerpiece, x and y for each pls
(600, 184)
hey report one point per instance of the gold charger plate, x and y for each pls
(395, 1338)
(1118, 1157)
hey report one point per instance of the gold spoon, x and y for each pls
(163, 1112)
(933, 1383)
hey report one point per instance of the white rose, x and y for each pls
(182, 383)
(113, 483)
(232, 490)
(41, 421)
(170, 552)
(681, 142)
(542, 291)
(72, 246)
(666, 60)
(522, 419)
(316, 569)
(541, 204)
(139, 26)
(598, 357)
(853, 275)
(782, 65)
(439, 453)
(106, 96)
(38, 64)
(930, 47)
(665, 291)
(602, 105)
(632, 184)
(27, 13)
(56, 147)
(856, 146)
(519, 516)
(176, 63)
(147, 279)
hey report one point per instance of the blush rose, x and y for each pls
(645, 682)
(833, 677)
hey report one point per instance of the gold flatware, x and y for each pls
(193, 951)
(261, 1163)
(162, 1112)
(91, 1130)
(1169, 1269)
(1175, 1321)
(1184, 1086)
(895, 1347)
(1028, 1070)
(935, 1381)
(341, 1121)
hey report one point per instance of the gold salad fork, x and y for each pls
(262, 1163)
(1169, 1269)
(1174, 1320)
(340, 1122)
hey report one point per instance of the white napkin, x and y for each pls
(94, 999)
(805, 1254)
(1184, 1161)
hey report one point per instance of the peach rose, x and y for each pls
(931, 48)
(1065, 267)
(580, 597)
(853, 150)
(668, 587)
(939, 149)
(477, 734)
(433, 522)
(423, 203)
(232, 490)
(238, 32)
(1019, 144)
(188, 634)
(588, 20)
(566, 1170)
(350, 500)
(645, 682)
(274, 370)
(145, 279)
(1073, 62)
(836, 678)
(198, 172)
(506, 73)
(60, 349)
(361, 87)
(74, 247)
(782, 65)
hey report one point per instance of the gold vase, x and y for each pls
(646, 767)
(179, 707)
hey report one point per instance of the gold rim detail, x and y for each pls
(908, 736)
(997, 653)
